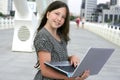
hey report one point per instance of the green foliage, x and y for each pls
(108, 20)
(72, 17)
(117, 21)
(1, 15)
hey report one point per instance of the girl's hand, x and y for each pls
(74, 60)
(84, 75)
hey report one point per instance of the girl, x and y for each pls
(51, 42)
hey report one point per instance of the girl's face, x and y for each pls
(56, 18)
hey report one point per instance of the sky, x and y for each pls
(74, 5)
(102, 1)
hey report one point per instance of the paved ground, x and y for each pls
(20, 65)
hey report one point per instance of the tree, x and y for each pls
(1, 14)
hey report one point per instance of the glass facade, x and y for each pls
(88, 8)
(113, 2)
(83, 4)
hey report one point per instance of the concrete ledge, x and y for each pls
(105, 31)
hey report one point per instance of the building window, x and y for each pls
(115, 18)
(113, 2)
(106, 18)
(111, 17)
(83, 5)
(83, 15)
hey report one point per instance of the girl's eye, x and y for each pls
(57, 13)
(63, 17)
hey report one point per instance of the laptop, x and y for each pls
(94, 60)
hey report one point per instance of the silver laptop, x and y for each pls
(94, 60)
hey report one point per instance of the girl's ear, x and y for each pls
(47, 15)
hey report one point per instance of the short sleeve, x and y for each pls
(42, 44)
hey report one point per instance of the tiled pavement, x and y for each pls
(20, 65)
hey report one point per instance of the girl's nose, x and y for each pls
(59, 18)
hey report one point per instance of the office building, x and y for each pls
(114, 2)
(88, 8)
(112, 15)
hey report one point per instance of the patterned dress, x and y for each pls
(58, 49)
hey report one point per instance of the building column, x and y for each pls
(103, 18)
(113, 18)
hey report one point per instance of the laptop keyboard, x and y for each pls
(67, 68)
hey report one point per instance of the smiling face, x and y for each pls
(56, 18)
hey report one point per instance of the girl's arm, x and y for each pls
(47, 71)
(53, 74)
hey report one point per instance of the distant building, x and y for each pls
(88, 8)
(110, 14)
(99, 11)
(113, 2)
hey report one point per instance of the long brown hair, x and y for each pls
(64, 29)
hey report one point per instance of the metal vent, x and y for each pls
(23, 33)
